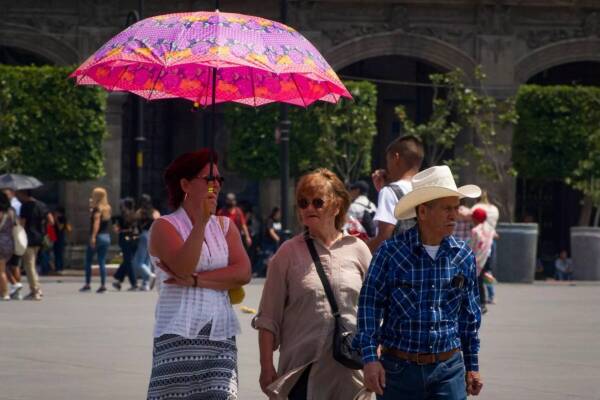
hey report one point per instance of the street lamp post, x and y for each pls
(132, 17)
(284, 151)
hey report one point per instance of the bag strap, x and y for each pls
(321, 272)
(397, 190)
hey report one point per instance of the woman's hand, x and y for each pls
(204, 210)
(93, 242)
(268, 375)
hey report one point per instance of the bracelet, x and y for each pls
(195, 280)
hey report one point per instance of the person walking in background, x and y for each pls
(233, 212)
(404, 157)
(464, 224)
(146, 214)
(270, 242)
(362, 208)
(7, 245)
(563, 267)
(200, 257)
(99, 241)
(482, 238)
(419, 306)
(62, 229)
(294, 314)
(126, 227)
(34, 217)
(13, 266)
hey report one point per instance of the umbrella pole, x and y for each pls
(211, 143)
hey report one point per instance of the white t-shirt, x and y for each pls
(431, 250)
(492, 213)
(387, 200)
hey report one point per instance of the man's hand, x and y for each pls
(374, 377)
(474, 383)
(268, 375)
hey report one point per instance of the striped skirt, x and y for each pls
(193, 369)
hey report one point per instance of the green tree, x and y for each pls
(338, 136)
(558, 137)
(457, 107)
(49, 127)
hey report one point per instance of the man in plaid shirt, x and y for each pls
(420, 303)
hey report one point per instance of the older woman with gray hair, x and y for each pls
(295, 315)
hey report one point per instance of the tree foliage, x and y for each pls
(457, 107)
(339, 137)
(49, 127)
(558, 136)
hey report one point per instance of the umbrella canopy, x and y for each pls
(19, 182)
(251, 60)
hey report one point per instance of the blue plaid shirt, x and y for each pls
(422, 310)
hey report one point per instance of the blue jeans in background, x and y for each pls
(101, 249)
(141, 259)
(409, 381)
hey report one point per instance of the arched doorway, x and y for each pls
(552, 203)
(398, 57)
(16, 56)
(400, 81)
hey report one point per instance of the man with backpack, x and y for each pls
(404, 157)
(362, 208)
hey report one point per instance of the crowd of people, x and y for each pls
(362, 292)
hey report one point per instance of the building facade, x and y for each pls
(393, 42)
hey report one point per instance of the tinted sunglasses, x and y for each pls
(209, 179)
(316, 202)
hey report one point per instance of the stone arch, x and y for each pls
(46, 46)
(432, 50)
(564, 52)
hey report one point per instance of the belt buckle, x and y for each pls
(419, 355)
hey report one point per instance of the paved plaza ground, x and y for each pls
(540, 341)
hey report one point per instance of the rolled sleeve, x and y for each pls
(469, 319)
(370, 307)
(273, 299)
(386, 202)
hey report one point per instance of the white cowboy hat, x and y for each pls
(430, 184)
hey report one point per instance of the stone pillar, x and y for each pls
(495, 53)
(77, 194)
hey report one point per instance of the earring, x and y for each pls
(185, 197)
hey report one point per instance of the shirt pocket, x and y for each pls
(405, 298)
(452, 297)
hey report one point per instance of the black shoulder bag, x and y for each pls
(343, 352)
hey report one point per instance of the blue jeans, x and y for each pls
(101, 249)
(59, 253)
(491, 292)
(409, 381)
(141, 259)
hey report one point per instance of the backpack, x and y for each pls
(402, 225)
(368, 222)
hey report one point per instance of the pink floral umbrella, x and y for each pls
(245, 59)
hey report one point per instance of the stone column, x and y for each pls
(495, 54)
(77, 194)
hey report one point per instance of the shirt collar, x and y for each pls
(414, 239)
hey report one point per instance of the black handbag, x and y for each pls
(343, 352)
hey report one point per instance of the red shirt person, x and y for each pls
(237, 216)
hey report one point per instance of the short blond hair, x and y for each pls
(325, 181)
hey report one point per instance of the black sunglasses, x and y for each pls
(316, 202)
(213, 178)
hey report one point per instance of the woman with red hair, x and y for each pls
(199, 257)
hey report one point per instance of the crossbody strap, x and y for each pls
(321, 272)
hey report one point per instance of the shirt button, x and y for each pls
(431, 327)
(433, 286)
(431, 308)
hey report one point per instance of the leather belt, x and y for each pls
(421, 358)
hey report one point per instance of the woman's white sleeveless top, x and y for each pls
(184, 311)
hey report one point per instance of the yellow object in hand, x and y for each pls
(236, 296)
